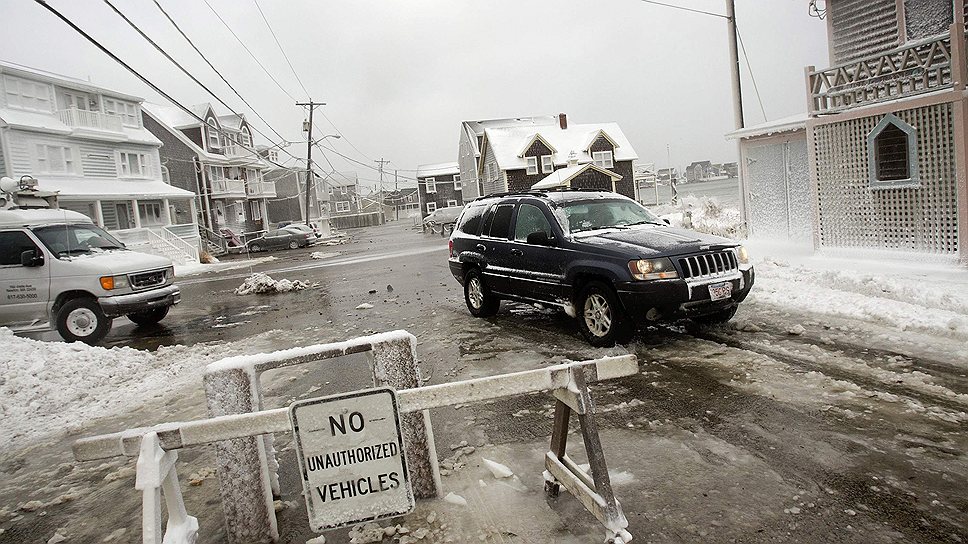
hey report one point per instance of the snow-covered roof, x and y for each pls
(73, 188)
(22, 218)
(563, 176)
(172, 116)
(439, 169)
(62, 80)
(50, 123)
(507, 142)
(476, 128)
(341, 179)
(231, 121)
(791, 123)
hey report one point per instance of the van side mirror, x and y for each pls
(32, 257)
(540, 238)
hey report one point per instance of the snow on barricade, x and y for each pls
(50, 387)
(262, 283)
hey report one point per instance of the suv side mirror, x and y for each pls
(32, 257)
(540, 238)
(666, 221)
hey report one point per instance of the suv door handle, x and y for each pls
(517, 252)
(481, 247)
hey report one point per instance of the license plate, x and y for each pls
(720, 291)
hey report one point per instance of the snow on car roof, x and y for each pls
(45, 216)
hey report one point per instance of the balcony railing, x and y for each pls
(261, 189)
(96, 120)
(908, 70)
(228, 187)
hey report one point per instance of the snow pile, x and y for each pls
(262, 283)
(48, 387)
(317, 255)
(703, 214)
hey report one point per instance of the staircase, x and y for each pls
(214, 242)
(161, 241)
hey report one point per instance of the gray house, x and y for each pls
(439, 186)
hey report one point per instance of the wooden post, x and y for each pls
(959, 80)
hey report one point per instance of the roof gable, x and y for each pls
(600, 134)
(563, 176)
(536, 138)
(506, 143)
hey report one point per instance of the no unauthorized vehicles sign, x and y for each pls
(351, 458)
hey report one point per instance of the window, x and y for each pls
(457, 182)
(892, 154)
(431, 207)
(150, 213)
(602, 159)
(273, 155)
(331, 190)
(342, 190)
(470, 220)
(342, 206)
(246, 139)
(255, 210)
(530, 220)
(134, 165)
(451, 203)
(165, 176)
(501, 223)
(431, 185)
(547, 165)
(532, 165)
(127, 111)
(212, 128)
(26, 95)
(55, 159)
(216, 173)
(12, 244)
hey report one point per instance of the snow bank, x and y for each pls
(261, 283)
(50, 387)
(703, 214)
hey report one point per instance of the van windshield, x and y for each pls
(66, 240)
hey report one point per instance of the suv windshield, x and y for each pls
(65, 240)
(598, 214)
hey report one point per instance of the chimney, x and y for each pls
(563, 121)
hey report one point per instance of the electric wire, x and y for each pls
(281, 50)
(749, 68)
(683, 8)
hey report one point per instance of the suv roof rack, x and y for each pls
(542, 192)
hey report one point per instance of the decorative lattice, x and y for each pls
(852, 214)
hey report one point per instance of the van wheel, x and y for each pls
(600, 316)
(149, 317)
(478, 298)
(81, 320)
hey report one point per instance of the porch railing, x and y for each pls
(261, 188)
(76, 118)
(911, 69)
(228, 187)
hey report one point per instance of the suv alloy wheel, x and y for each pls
(478, 298)
(600, 316)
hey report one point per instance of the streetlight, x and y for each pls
(335, 136)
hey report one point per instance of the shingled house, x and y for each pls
(439, 186)
(516, 158)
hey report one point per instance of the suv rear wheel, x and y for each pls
(478, 298)
(81, 320)
(600, 316)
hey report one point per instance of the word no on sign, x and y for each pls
(351, 458)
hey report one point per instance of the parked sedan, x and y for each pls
(302, 228)
(280, 239)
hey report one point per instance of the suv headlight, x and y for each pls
(653, 269)
(742, 255)
(109, 283)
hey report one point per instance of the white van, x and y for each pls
(60, 271)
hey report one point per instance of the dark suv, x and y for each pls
(600, 256)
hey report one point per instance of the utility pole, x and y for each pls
(396, 191)
(381, 162)
(737, 105)
(308, 127)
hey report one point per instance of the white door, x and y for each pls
(24, 290)
(77, 100)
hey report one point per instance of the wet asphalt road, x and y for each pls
(733, 434)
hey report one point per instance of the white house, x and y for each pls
(88, 143)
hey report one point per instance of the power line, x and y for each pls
(683, 8)
(128, 67)
(264, 69)
(749, 68)
(283, 51)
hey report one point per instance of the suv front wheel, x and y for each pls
(478, 298)
(600, 316)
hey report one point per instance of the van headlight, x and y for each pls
(653, 269)
(109, 283)
(169, 274)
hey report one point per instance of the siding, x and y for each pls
(926, 18)
(492, 186)
(445, 191)
(178, 159)
(922, 219)
(3, 162)
(97, 159)
(862, 28)
(467, 162)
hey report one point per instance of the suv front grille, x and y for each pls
(147, 279)
(708, 265)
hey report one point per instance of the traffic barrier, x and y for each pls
(569, 382)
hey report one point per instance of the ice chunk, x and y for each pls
(364, 306)
(497, 469)
(261, 283)
(454, 498)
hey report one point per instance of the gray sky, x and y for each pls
(399, 77)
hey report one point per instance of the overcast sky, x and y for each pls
(398, 77)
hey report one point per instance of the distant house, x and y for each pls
(666, 175)
(290, 201)
(342, 191)
(213, 160)
(471, 144)
(90, 144)
(730, 169)
(401, 203)
(700, 171)
(519, 157)
(439, 186)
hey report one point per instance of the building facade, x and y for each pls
(90, 145)
(214, 161)
(290, 201)
(471, 144)
(439, 186)
(516, 158)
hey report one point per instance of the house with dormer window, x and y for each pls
(217, 161)
(89, 144)
(521, 157)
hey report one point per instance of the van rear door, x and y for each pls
(24, 290)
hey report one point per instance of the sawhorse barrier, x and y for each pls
(155, 445)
